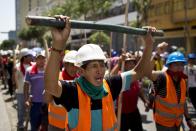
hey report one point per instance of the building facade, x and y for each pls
(32, 7)
(178, 20)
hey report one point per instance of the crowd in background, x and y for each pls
(22, 73)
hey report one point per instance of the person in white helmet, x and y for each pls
(57, 115)
(33, 93)
(89, 99)
(19, 74)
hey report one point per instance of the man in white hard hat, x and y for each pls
(33, 93)
(57, 115)
(19, 74)
(89, 99)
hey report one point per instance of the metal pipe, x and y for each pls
(75, 24)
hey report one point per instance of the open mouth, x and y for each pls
(99, 79)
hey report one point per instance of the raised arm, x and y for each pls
(117, 67)
(161, 48)
(142, 67)
(51, 77)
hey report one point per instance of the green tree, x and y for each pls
(82, 9)
(23, 34)
(68, 9)
(8, 44)
(48, 39)
(94, 9)
(141, 7)
(33, 33)
(78, 8)
(99, 38)
(99, 8)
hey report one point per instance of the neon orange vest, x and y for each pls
(109, 121)
(57, 115)
(168, 112)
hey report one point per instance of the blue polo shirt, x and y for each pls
(36, 81)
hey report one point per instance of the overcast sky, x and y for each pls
(7, 17)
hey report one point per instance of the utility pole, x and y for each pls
(122, 66)
(126, 24)
(186, 27)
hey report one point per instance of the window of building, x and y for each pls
(167, 7)
(156, 10)
(161, 8)
(151, 11)
(38, 3)
(178, 5)
(191, 4)
(29, 5)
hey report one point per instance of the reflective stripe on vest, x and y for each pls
(109, 122)
(57, 114)
(170, 105)
(168, 115)
(114, 128)
(168, 112)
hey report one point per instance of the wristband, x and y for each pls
(56, 50)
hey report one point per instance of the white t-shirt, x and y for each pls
(191, 73)
(20, 78)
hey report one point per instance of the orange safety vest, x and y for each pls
(168, 112)
(109, 120)
(57, 114)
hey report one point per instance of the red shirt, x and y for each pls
(130, 98)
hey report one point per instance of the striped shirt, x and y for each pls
(160, 86)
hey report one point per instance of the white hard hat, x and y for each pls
(70, 56)
(10, 52)
(37, 49)
(41, 53)
(33, 53)
(89, 52)
(5, 52)
(25, 52)
(138, 53)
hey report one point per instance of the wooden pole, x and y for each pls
(122, 67)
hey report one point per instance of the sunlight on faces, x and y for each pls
(129, 65)
(28, 58)
(41, 61)
(94, 72)
(71, 69)
(176, 66)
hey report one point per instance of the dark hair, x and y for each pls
(22, 60)
(85, 63)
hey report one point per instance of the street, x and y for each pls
(8, 113)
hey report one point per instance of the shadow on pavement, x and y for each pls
(14, 106)
(10, 99)
(6, 93)
(3, 88)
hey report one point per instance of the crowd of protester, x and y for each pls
(167, 74)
